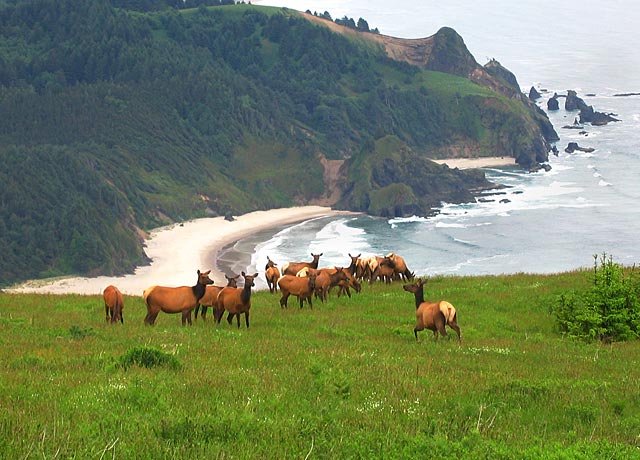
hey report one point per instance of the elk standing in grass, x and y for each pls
(385, 271)
(400, 266)
(292, 268)
(432, 315)
(113, 304)
(236, 301)
(302, 287)
(210, 298)
(328, 278)
(344, 287)
(272, 274)
(181, 299)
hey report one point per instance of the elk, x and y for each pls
(344, 287)
(432, 315)
(400, 266)
(272, 274)
(113, 304)
(210, 297)
(236, 301)
(327, 278)
(302, 287)
(291, 268)
(181, 299)
(385, 270)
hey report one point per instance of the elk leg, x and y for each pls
(246, 319)
(456, 328)
(284, 299)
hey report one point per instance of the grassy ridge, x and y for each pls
(344, 380)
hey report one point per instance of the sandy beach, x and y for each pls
(178, 251)
(483, 162)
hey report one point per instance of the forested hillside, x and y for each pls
(121, 116)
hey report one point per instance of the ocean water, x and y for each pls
(545, 222)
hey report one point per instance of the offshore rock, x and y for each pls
(573, 147)
(588, 115)
(534, 94)
(552, 103)
(573, 102)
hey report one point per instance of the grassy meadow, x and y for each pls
(344, 380)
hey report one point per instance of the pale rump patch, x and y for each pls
(448, 310)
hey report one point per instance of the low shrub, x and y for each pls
(608, 311)
(148, 357)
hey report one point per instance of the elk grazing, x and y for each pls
(210, 297)
(272, 274)
(344, 287)
(432, 315)
(291, 268)
(236, 301)
(301, 287)
(327, 278)
(400, 266)
(181, 299)
(385, 270)
(113, 304)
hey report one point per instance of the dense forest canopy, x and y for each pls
(124, 115)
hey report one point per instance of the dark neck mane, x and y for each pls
(199, 290)
(245, 295)
(419, 294)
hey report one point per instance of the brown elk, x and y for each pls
(181, 299)
(328, 278)
(432, 315)
(210, 297)
(385, 270)
(362, 268)
(344, 287)
(272, 274)
(113, 304)
(400, 266)
(353, 265)
(292, 268)
(236, 301)
(302, 287)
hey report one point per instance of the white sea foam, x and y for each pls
(403, 220)
(337, 240)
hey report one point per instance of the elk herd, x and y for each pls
(304, 280)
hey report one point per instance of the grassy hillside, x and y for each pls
(122, 116)
(344, 380)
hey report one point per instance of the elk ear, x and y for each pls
(255, 275)
(243, 274)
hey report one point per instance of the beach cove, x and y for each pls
(178, 250)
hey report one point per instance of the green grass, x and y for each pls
(344, 380)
